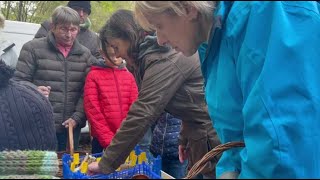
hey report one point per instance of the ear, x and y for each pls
(192, 13)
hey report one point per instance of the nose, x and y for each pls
(117, 57)
(68, 34)
(162, 41)
(80, 12)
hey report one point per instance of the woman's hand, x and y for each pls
(44, 90)
(183, 153)
(94, 168)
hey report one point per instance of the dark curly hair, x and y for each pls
(6, 73)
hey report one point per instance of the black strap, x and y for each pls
(8, 48)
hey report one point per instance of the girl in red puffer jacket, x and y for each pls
(109, 91)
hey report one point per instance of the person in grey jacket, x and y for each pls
(167, 80)
(7, 53)
(86, 37)
(57, 66)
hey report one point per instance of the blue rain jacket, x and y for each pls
(262, 82)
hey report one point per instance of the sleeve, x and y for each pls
(160, 82)
(93, 111)
(134, 90)
(26, 66)
(79, 114)
(278, 72)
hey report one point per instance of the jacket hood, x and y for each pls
(150, 45)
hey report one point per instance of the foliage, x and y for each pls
(39, 11)
(102, 10)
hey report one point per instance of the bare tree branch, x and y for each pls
(8, 9)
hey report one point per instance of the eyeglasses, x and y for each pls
(65, 30)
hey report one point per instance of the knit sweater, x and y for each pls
(28, 163)
(26, 117)
(28, 177)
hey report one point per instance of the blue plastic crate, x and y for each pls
(152, 169)
(124, 174)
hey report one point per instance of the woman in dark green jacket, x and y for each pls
(167, 80)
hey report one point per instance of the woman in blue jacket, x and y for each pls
(260, 62)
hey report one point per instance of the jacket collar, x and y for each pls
(76, 49)
(220, 16)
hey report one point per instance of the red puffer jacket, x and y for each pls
(108, 95)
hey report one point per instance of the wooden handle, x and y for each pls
(71, 145)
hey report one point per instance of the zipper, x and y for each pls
(119, 93)
(65, 87)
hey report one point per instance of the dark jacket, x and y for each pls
(26, 117)
(174, 83)
(165, 137)
(85, 37)
(41, 63)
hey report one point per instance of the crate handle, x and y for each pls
(200, 165)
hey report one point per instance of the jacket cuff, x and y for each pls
(78, 119)
(104, 166)
(182, 141)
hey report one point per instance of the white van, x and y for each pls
(19, 33)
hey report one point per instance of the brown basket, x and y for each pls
(69, 150)
(200, 165)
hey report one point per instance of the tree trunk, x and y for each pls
(8, 9)
(25, 11)
(19, 18)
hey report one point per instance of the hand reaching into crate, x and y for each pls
(93, 168)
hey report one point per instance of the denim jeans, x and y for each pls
(64, 136)
(174, 168)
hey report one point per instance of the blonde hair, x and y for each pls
(145, 9)
(2, 19)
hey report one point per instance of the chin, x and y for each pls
(189, 53)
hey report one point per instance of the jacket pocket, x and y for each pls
(197, 149)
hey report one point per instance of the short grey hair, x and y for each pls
(65, 15)
(2, 19)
